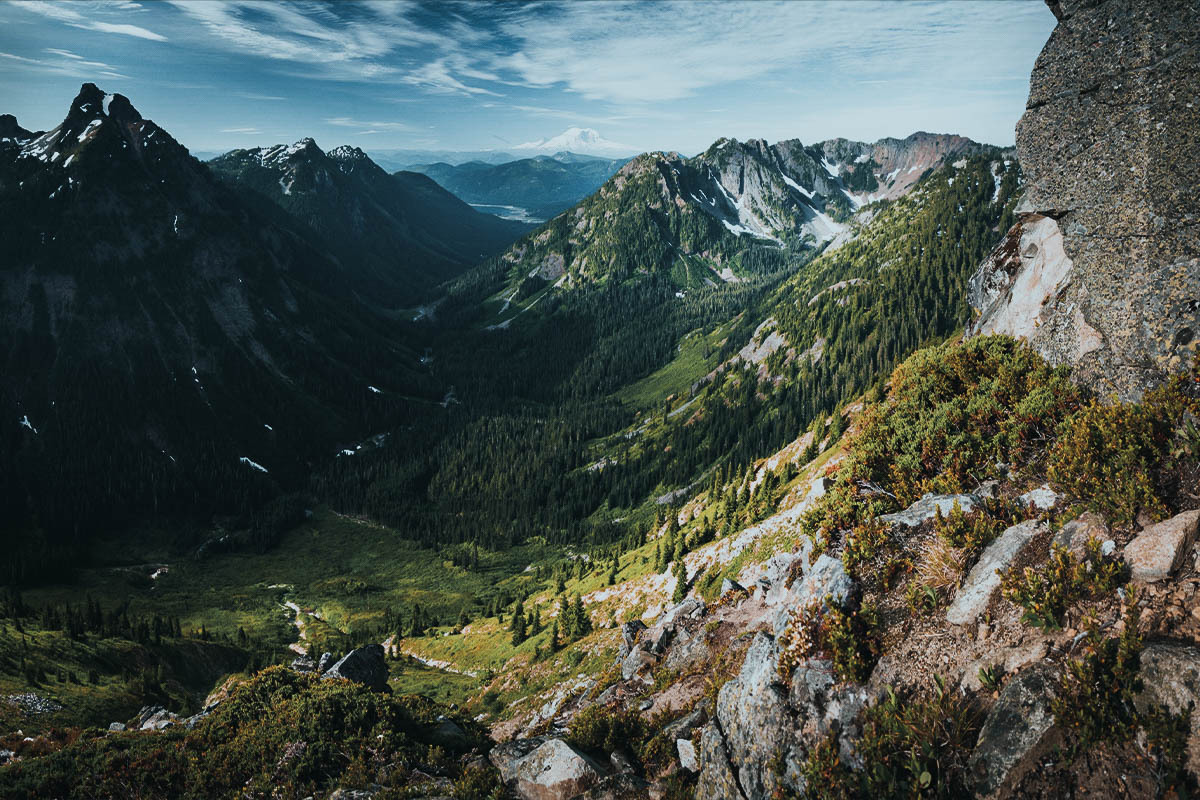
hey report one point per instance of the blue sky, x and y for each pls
(477, 75)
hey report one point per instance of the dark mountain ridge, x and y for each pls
(165, 341)
(398, 235)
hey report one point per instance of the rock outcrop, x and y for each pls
(546, 769)
(1160, 549)
(1102, 271)
(363, 665)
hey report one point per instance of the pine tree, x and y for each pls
(681, 586)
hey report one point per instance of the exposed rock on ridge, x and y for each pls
(1110, 148)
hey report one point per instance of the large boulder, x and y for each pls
(983, 580)
(717, 778)
(1101, 272)
(546, 768)
(1171, 678)
(1160, 549)
(630, 631)
(1017, 731)
(363, 665)
(758, 724)
(827, 577)
(637, 660)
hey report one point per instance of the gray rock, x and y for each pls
(728, 586)
(303, 664)
(6, 756)
(1075, 534)
(194, 720)
(630, 631)
(687, 755)
(1111, 100)
(1171, 678)
(1160, 549)
(621, 762)
(687, 653)
(1042, 498)
(546, 768)
(758, 724)
(154, 718)
(325, 662)
(352, 794)
(658, 639)
(822, 705)
(683, 727)
(365, 665)
(983, 580)
(637, 660)
(1017, 731)
(717, 778)
(116, 726)
(927, 508)
(826, 578)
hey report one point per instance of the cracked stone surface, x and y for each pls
(1110, 149)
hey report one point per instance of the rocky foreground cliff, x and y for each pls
(1102, 271)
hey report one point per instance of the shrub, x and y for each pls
(1046, 594)
(847, 634)
(1107, 456)
(956, 410)
(915, 746)
(1094, 702)
(597, 728)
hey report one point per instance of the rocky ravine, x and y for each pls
(1103, 269)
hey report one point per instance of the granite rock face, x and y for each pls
(1102, 271)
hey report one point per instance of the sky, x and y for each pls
(386, 75)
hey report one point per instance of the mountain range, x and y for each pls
(539, 187)
(168, 325)
(402, 234)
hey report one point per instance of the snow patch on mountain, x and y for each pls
(578, 140)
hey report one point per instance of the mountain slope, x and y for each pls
(397, 235)
(736, 210)
(544, 186)
(162, 333)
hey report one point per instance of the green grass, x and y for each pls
(347, 571)
(677, 377)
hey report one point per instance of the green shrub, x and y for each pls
(1094, 702)
(848, 635)
(598, 728)
(955, 411)
(280, 734)
(1107, 455)
(915, 746)
(1047, 593)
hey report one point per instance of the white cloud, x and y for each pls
(648, 53)
(371, 127)
(63, 13)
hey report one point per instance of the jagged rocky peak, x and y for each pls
(1102, 269)
(11, 131)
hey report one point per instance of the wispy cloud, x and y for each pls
(241, 130)
(65, 63)
(372, 127)
(68, 15)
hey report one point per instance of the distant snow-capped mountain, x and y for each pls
(578, 140)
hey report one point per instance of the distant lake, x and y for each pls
(507, 212)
